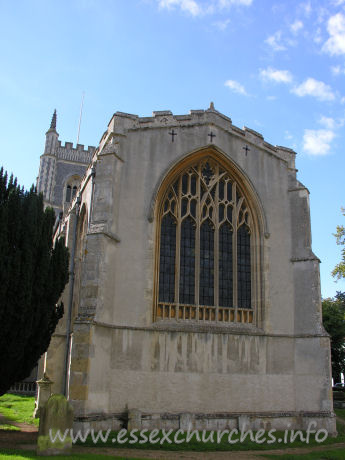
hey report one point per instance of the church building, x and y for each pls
(194, 296)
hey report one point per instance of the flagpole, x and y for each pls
(81, 112)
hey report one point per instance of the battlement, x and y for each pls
(77, 154)
(121, 123)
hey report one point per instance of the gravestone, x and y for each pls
(56, 423)
(43, 394)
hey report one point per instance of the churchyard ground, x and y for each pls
(18, 435)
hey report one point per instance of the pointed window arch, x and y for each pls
(207, 238)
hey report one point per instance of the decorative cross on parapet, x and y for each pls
(211, 136)
(246, 148)
(172, 134)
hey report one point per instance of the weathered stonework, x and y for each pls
(268, 369)
(58, 164)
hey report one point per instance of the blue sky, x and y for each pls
(276, 67)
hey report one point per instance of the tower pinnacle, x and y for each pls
(53, 122)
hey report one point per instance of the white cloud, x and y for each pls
(306, 7)
(336, 70)
(222, 25)
(227, 3)
(318, 35)
(274, 41)
(190, 6)
(314, 88)
(336, 29)
(296, 26)
(327, 122)
(279, 76)
(198, 8)
(236, 87)
(331, 123)
(317, 142)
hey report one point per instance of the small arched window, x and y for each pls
(205, 243)
(72, 185)
(68, 193)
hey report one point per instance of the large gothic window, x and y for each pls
(205, 247)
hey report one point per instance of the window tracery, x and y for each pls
(205, 247)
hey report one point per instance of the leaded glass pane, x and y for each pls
(243, 267)
(229, 213)
(167, 260)
(187, 262)
(184, 184)
(193, 208)
(206, 264)
(193, 185)
(229, 191)
(184, 207)
(225, 267)
(221, 212)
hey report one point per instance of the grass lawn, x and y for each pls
(18, 408)
(340, 413)
(336, 454)
(7, 454)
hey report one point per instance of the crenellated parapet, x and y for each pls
(122, 123)
(77, 154)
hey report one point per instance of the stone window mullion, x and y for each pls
(234, 249)
(178, 248)
(216, 246)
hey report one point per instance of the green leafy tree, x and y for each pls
(339, 269)
(333, 315)
(33, 274)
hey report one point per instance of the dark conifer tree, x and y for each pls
(33, 274)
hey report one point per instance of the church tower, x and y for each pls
(61, 169)
(48, 162)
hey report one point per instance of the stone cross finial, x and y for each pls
(53, 122)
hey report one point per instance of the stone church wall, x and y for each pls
(273, 371)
